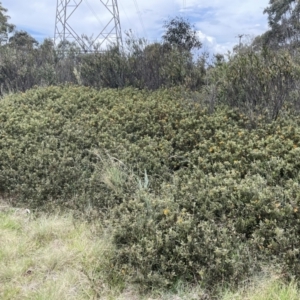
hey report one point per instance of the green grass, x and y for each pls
(57, 257)
(50, 257)
(268, 288)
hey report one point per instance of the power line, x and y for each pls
(93, 12)
(125, 14)
(140, 17)
(184, 6)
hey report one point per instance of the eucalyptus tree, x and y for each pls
(180, 33)
(284, 22)
(23, 40)
(5, 27)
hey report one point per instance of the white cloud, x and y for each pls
(217, 21)
(205, 38)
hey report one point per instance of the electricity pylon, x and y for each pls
(109, 33)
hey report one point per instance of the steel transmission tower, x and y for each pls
(109, 33)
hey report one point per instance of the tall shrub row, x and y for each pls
(139, 65)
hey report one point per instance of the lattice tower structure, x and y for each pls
(109, 33)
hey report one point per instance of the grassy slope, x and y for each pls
(57, 257)
(49, 257)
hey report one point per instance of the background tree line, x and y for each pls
(257, 76)
(25, 63)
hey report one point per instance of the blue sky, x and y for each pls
(218, 22)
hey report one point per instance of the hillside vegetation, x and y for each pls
(187, 165)
(188, 195)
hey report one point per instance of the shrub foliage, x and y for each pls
(257, 81)
(191, 195)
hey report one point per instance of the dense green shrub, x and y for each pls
(47, 136)
(232, 209)
(210, 229)
(191, 195)
(163, 240)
